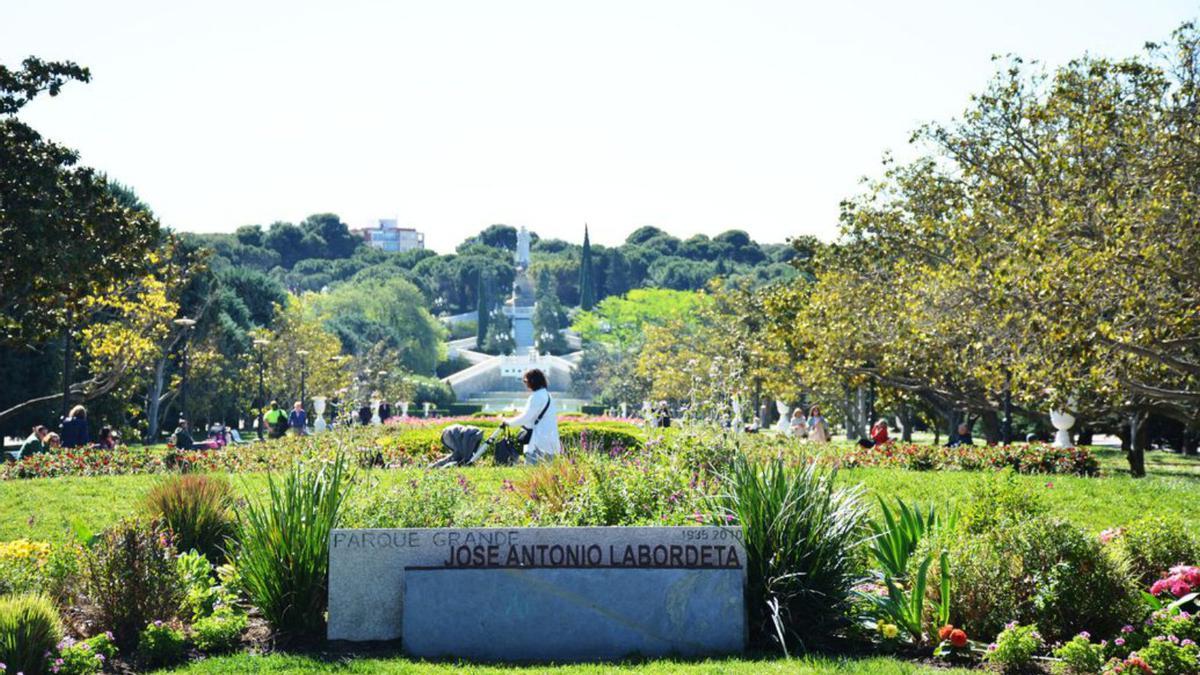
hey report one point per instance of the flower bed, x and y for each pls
(1034, 458)
(395, 444)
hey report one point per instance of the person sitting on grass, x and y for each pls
(963, 437)
(106, 440)
(36, 443)
(879, 432)
(75, 428)
(53, 442)
(183, 437)
(298, 420)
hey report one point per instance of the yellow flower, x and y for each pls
(23, 549)
(888, 630)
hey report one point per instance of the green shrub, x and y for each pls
(219, 633)
(1154, 544)
(161, 644)
(431, 500)
(85, 657)
(1015, 648)
(196, 508)
(130, 578)
(282, 548)
(1044, 572)
(1080, 657)
(203, 594)
(605, 438)
(998, 500)
(800, 534)
(1171, 657)
(29, 629)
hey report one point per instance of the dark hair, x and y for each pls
(535, 379)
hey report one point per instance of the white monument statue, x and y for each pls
(522, 255)
(404, 408)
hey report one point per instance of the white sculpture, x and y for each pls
(1062, 421)
(521, 257)
(404, 408)
(784, 425)
(319, 408)
(737, 415)
(624, 409)
(427, 406)
(375, 412)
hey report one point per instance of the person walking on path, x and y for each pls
(540, 418)
(818, 430)
(298, 420)
(277, 420)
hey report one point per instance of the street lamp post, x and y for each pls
(186, 324)
(259, 345)
(303, 354)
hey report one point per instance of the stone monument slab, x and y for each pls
(540, 593)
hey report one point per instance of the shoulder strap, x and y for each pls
(543, 413)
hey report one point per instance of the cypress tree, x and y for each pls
(587, 292)
(483, 311)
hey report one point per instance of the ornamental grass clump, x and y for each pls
(282, 544)
(197, 508)
(800, 534)
(29, 630)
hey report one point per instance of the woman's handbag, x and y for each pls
(525, 435)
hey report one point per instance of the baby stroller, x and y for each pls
(467, 444)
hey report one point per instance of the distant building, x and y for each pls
(389, 236)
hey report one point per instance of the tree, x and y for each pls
(616, 277)
(52, 216)
(547, 316)
(587, 291)
(338, 241)
(483, 311)
(499, 339)
(294, 331)
(398, 308)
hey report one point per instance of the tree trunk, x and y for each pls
(992, 432)
(1139, 438)
(68, 372)
(906, 423)
(1085, 436)
(1189, 442)
(154, 402)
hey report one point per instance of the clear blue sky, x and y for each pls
(694, 116)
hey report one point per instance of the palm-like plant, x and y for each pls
(800, 534)
(282, 545)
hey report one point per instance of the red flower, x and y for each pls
(944, 632)
(958, 638)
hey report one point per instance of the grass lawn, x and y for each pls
(292, 663)
(44, 509)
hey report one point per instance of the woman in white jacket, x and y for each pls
(541, 415)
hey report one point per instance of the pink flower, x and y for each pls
(1180, 588)
(1127, 628)
(1119, 641)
